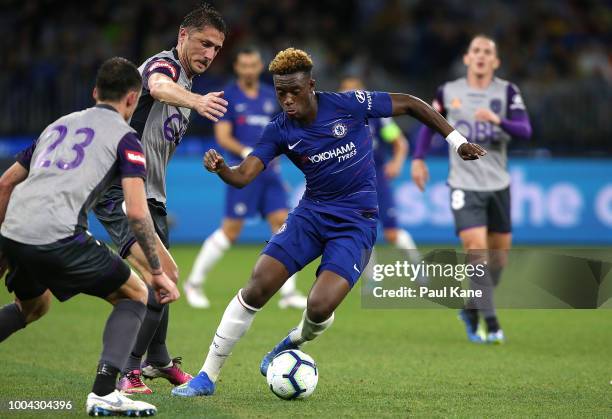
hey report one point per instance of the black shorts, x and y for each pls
(76, 265)
(111, 214)
(490, 209)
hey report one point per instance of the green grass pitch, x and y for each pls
(372, 363)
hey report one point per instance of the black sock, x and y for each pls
(496, 274)
(106, 378)
(157, 354)
(492, 324)
(11, 320)
(472, 316)
(120, 332)
(151, 323)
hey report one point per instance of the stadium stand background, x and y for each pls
(557, 51)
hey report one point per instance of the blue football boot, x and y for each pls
(284, 345)
(200, 385)
(470, 328)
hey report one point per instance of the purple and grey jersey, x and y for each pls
(161, 126)
(70, 165)
(459, 102)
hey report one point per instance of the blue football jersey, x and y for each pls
(334, 152)
(249, 116)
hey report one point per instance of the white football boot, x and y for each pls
(293, 300)
(116, 404)
(195, 296)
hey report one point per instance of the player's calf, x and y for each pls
(120, 332)
(320, 308)
(236, 320)
(151, 322)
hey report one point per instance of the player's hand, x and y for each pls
(420, 173)
(470, 151)
(213, 161)
(486, 115)
(211, 106)
(393, 169)
(165, 290)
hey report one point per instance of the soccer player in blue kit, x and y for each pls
(325, 135)
(252, 105)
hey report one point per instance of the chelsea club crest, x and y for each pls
(339, 130)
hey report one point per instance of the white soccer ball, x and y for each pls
(292, 375)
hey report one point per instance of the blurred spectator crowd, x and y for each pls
(557, 51)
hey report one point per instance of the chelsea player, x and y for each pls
(252, 106)
(325, 135)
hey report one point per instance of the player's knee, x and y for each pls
(473, 244)
(319, 308)
(34, 310)
(232, 235)
(231, 230)
(259, 289)
(146, 276)
(498, 259)
(139, 292)
(391, 236)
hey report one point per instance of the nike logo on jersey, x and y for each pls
(292, 146)
(355, 267)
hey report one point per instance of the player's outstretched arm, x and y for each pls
(163, 89)
(403, 104)
(141, 225)
(237, 176)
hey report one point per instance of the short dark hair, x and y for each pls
(245, 49)
(116, 77)
(205, 15)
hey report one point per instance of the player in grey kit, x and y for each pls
(161, 119)
(489, 111)
(48, 248)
